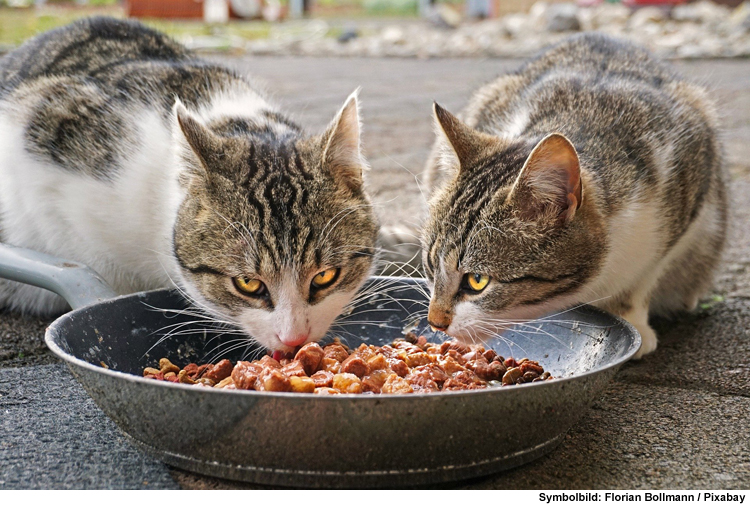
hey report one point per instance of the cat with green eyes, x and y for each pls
(122, 150)
(593, 174)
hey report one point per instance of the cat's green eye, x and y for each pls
(325, 278)
(248, 286)
(475, 282)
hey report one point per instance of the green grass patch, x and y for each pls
(712, 301)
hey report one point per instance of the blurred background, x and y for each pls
(405, 28)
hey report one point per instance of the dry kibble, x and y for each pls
(510, 363)
(184, 378)
(490, 371)
(404, 366)
(202, 369)
(166, 366)
(529, 365)
(224, 383)
(192, 370)
(512, 375)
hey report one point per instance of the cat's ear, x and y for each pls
(549, 184)
(342, 148)
(198, 141)
(463, 144)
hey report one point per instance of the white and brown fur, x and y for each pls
(121, 150)
(593, 174)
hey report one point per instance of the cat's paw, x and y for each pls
(648, 340)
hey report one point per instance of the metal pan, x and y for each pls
(320, 441)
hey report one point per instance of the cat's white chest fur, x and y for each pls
(121, 227)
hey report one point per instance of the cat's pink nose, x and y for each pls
(294, 340)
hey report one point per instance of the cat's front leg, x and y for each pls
(638, 316)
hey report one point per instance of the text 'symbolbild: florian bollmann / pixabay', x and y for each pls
(645, 496)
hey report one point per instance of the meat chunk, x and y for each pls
(310, 356)
(245, 375)
(322, 379)
(395, 384)
(336, 351)
(401, 367)
(347, 383)
(218, 372)
(355, 365)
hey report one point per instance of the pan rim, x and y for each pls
(53, 330)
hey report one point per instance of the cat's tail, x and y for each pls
(401, 251)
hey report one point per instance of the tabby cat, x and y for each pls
(121, 150)
(592, 174)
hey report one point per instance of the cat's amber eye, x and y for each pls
(475, 281)
(248, 286)
(325, 278)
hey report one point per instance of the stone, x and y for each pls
(515, 24)
(645, 16)
(444, 16)
(348, 35)
(700, 12)
(562, 18)
(393, 35)
(741, 16)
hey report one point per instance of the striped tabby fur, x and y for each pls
(592, 174)
(120, 149)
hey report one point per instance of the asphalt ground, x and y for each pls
(677, 419)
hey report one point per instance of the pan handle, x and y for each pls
(78, 284)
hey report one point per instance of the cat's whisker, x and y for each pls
(247, 237)
(221, 348)
(238, 344)
(506, 340)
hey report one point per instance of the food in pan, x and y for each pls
(407, 365)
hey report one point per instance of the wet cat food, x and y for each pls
(407, 365)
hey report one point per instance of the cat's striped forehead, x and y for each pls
(462, 208)
(275, 208)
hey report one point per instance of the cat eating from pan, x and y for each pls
(122, 150)
(593, 174)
